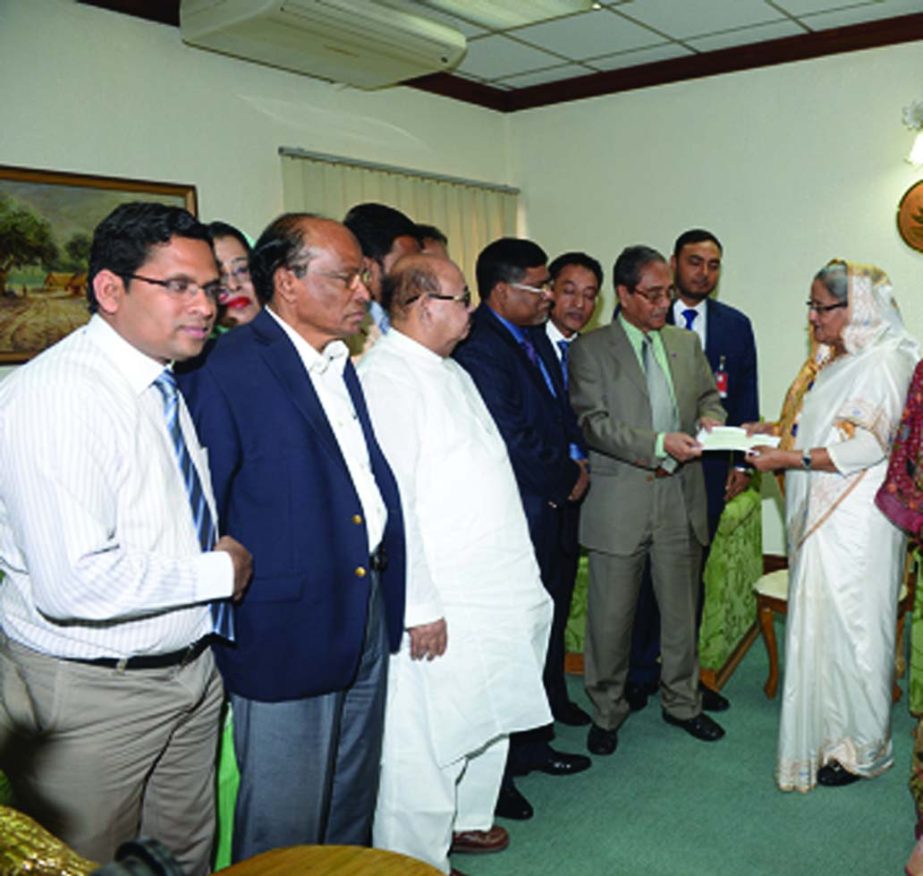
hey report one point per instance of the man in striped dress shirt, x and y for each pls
(109, 697)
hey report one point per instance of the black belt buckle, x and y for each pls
(379, 560)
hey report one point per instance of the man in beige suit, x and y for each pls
(641, 389)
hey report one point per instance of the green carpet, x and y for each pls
(668, 805)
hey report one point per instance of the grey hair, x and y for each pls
(835, 279)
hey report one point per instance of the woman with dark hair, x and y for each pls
(238, 303)
(845, 557)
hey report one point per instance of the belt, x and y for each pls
(661, 472)
(147, 661)
(379, 560)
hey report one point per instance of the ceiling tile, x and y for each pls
(692, 18)
(856, 15)
(599, 32)
(807, 7)
(743, 36)
(552, 74)
(494, 56)
(640, 56)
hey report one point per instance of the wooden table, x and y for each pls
(324, 860)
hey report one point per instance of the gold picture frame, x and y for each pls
(910, 216)
(47, 220)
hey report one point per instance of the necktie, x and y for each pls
(527, 345)
(201, 515)
(663, 411)
(689, 315)
(563, 347)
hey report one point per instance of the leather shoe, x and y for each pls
(835, 775)
(701, 726)
(479, 842)
(636, 695)
(571, 714)
(712, 701)
(559, 763)
(511, 804)
(602, 741)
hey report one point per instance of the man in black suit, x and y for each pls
(511, 360)
(727, 338)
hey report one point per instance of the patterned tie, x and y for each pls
(527, 345)
(689, 315)
(222, 618)
(563, 346)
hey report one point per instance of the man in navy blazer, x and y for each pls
(727, 338)
(510, 358)
(299, 477)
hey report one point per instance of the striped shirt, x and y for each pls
(97, 539)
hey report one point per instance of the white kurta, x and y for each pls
(470, 559)
(845, 561)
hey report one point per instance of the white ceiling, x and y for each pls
(627, 33)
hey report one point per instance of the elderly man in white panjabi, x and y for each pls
(469, 671)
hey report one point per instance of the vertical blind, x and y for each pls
(471, 214)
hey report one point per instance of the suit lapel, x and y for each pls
(625, 354)
(283, 360)
(535, 375)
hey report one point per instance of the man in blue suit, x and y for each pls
(299, 476)
(510, 358)
(727, 338)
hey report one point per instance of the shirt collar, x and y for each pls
(679, 306)
(333, 355)
(139, 369)
(634, 333)
(556, 335)
(516, 331)
(396, 338)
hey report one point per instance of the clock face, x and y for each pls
(910, 216)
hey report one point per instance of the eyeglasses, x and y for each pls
(240, 273)
(464, 298)
(183, 287)
(825, 308)
(544, 289)
(347, 278)
(654, 295)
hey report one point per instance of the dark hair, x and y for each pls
(631, 261)
(220, 229)
(835, 277)
(280, 242)
(376, 226)
(576, 258)
(430, 232)
(417, 277)
(695, 235)
(123, 241)
(506, 261)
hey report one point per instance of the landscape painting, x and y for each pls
(46, 225)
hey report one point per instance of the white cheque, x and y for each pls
(733, 438)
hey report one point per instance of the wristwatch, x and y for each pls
(806, 460)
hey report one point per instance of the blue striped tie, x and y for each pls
(222, 618)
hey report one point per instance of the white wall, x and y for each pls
(788, 165)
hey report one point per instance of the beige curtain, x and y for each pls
(470, 214)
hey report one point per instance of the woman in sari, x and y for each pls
(845, 557)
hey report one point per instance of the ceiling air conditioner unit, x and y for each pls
(359, 42)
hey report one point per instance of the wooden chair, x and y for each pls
(772, 599)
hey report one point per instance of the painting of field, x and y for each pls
(46, 225)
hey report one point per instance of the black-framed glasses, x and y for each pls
(544, 289)
(183, 287)
(654, 295)
(239, 273)
(464, 298)
(825, 308)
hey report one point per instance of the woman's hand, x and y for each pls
(766, 458)
(761, 428)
